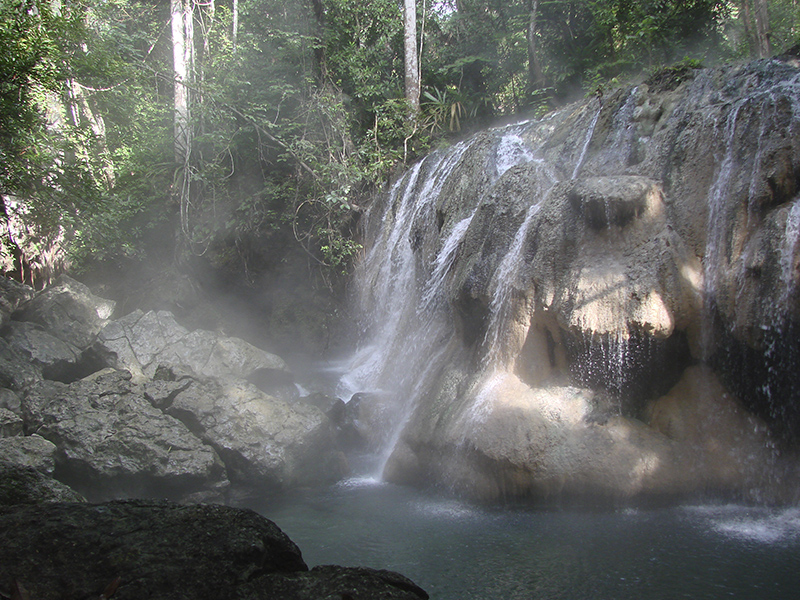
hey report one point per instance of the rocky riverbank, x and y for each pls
(140, 407)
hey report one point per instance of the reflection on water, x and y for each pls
(459, 551)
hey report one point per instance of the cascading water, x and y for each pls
(585, 146)
(685, 200)
(534, 292)
(408, 317)
(731, 281)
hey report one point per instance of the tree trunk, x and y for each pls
(182, 21)
(235, 22)
(412, 65)
(182, 34)
(535, 72)
(762, 29)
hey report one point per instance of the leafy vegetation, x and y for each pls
(297, 110)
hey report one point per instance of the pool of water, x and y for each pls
(458, 551)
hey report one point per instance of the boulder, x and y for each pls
(29, 451)
(264, 441)
(368, 418)
(171, 552)
(16, 369)
(331, 581)
(158, 550)
(10, 423)
(69, 311)
(10, 400)
(53, 357)
(141, 342)
(112, 442)
(12, 295)
(26, 485)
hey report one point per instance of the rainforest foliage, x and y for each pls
(223, 124)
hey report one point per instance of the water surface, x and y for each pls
(459, 551)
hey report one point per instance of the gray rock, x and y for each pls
(607, 201)
(69, 311)
(171, 552)
(141, 342)
(10, 400)
(330, 581)
(112, 442)
(262, 440)
(54, 357)
(12, 294)
(158, 550)
(25, 485)
(16, 370)
(10, 423)
(29, 451)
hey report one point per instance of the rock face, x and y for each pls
(140, 406)
(171, 552)
(26, 485)
(142, 342)
(541, 295)
(109, 437)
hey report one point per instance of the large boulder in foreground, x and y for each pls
(170, 552)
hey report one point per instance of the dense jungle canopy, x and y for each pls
(134, 128)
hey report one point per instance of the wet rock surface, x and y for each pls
(151, 549)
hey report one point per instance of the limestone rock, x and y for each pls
(16, 369)
(112, 442)
(10, 423)
(728, 443)
(9, 400)
(12, 295)
(582, 262)
(54, 357)
(141, 342)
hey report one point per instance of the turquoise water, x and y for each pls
(459, 551)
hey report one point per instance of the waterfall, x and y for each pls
(500, 308)
(497, 296)
(444, 260)
(587, 141)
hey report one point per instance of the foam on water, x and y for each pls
(754, 524)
